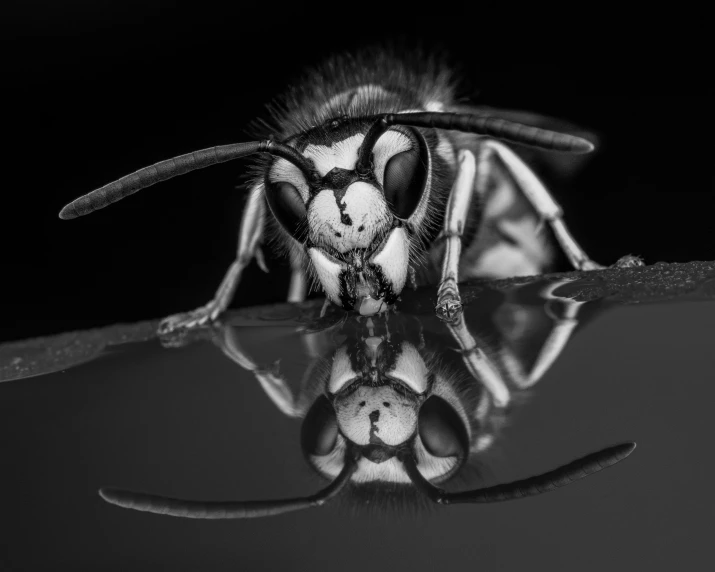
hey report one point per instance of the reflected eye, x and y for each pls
(441, 429)
(287, 206)
(320, 428)
(404, 182)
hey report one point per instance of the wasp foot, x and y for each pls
(449, 304)
(180, 329)
(629, 261)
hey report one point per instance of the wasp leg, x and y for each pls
(479, 365)
(273, 383)
(449, 304)
(542, 201)
(250, 236)
(564, 314)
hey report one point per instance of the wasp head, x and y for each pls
(357, 223)
(382, 401)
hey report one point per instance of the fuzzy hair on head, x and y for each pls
(413, 79)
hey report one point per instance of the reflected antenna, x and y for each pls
(228, 509)
(544, 483)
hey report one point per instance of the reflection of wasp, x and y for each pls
(374, 176)
(383, 409)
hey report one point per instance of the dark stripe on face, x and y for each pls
(374, 429)
(339, 180)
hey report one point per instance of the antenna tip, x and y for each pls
(582, 146)
(111, 495)
(623, 450)
(68, 212)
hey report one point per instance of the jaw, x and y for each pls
(366, 282)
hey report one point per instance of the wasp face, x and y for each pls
(381, 400)
(378, 391)
(357, 228)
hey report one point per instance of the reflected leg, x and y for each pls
(270, 378)
(564, 314)
(478, 363)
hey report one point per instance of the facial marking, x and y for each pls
(356, 218)
(377, 416)
(444, 388)
(343, 154)
(341, 372)
(411, 369)
(350, 219)
(328, 271)
(361, 206)
(387, 146)
(391, 471)
(286, 171)
(394, 258)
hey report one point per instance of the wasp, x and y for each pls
(372, 175)
(387, 415)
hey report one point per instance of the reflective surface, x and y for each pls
(567, 365)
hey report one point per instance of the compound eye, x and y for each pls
(320, 428)
(404, 182)
(441, 429)
(287, 206)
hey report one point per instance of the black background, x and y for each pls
(97, 90)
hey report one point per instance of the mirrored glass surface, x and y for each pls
(398, 419)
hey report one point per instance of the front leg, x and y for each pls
(250, 236)
(449, 304)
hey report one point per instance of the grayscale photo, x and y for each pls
(387, 287)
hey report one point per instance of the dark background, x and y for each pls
(96, 91)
